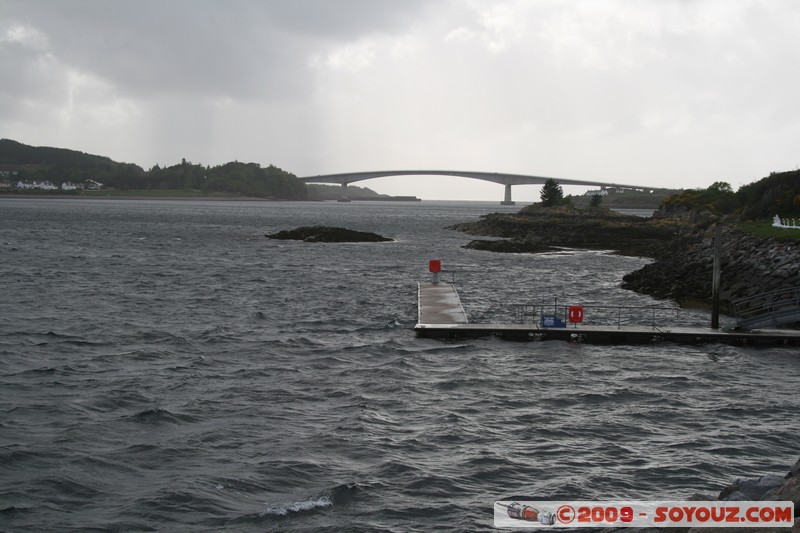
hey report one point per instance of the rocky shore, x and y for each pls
(749, 265)
(682, 245)
(769, 487)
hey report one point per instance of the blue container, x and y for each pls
(552, 322)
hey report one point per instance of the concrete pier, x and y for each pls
(438, 303)
(507, 196)
(343, 196)
(441, 315)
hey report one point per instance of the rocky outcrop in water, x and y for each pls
(538, 229)
(750, 265)
(509, 246)
(681, 243)
(327, 234)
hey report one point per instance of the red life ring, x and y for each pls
(576, 313)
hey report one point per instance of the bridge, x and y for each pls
(496, 177)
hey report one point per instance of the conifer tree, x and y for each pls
(551, 193)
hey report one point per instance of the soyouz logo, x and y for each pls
(554, 514)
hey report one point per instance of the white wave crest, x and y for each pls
(296, 507)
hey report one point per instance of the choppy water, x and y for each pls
(163, 366)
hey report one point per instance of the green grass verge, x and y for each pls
(766, 229)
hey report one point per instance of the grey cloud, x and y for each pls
(28, 76)
(245, 49)
(342, 19)
(576, 89)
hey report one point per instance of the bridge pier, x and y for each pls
(343, 197)
(507, 200)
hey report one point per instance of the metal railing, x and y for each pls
(775, 303)
(451, 273)
(600, 315)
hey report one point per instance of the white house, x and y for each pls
(42, 186)
(68, 186)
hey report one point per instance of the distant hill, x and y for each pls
(59, 164)
(318, 191)
(13, 153)
(626, 198)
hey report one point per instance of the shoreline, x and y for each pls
(141, 197)
(184, 198)
(682, 253)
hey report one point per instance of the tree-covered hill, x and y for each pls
(13, 153)
(58, 165)
(777, 194)
(245, 179)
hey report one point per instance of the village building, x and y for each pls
(42, 186)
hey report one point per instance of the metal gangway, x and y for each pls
(768, 309)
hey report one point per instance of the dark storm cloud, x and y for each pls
(245, 49)
(693, 92)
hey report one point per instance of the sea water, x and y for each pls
(164, 366)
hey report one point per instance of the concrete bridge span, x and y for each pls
(496, 177)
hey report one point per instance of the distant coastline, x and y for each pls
(185, 197)
(389, 199)
(141, 197)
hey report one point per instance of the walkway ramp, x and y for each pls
(438, 303)
(768, 310)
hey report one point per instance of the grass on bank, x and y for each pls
(764, 228)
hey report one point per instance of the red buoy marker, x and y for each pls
(435, 266)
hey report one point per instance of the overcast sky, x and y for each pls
(675, 93)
